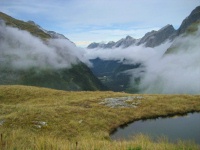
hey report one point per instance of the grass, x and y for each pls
(76, 120)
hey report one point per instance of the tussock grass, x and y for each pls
(76, 120)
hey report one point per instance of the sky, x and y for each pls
(87, 21)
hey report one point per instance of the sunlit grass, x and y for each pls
(76, 120)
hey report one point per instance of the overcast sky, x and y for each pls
(86, 21)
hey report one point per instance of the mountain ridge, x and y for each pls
(150, 39)
(154, 38)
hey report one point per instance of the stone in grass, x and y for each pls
(39, 124)
(2, 122)
(123, 102)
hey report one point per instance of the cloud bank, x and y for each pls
(176, 72)
(20, 50)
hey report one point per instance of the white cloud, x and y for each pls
(20, 50)
(177, 72)
(174, 73)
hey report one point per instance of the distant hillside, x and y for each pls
(41, 70)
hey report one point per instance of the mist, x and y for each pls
(176, 71)
(20, 50)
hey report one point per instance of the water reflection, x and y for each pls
(174, 128)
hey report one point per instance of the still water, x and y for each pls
(174, 128)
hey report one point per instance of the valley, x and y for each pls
(57, 95)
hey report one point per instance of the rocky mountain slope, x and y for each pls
(188, 21)
(188, 27)
(38, 60)
(155, 38)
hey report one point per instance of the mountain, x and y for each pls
(108, 72)
(155, 38)
(53, 34)
(34, 30)
(39, 60)
(150, 39)
(188, 27)
(188, 21)
(124, 42)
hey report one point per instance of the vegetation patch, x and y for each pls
(40, 118)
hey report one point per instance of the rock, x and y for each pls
(2, 122)
(122, 102)
(39, 124)
(80, 121)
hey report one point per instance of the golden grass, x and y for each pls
(76, 120)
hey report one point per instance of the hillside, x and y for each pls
(34, 30)
(40, 118)
(26, 60)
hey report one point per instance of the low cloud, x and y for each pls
(20, 50)
(177, 72)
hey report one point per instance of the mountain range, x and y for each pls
(113, 73)
(152, 38)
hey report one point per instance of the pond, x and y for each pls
(174, 128)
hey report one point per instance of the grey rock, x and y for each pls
(193, 17)
(2, 122)
(155, 38)
(122, 102)
(39, 124)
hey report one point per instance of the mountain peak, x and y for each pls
(193, 17)
(155, 38)
(128, 37)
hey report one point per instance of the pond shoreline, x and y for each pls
(153, 117)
